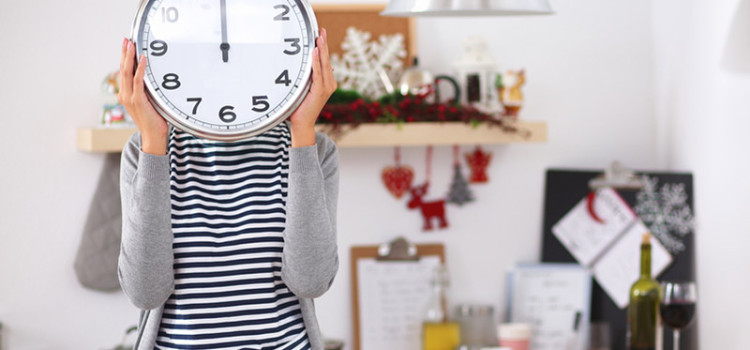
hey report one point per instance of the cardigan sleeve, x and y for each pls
(310, 256)
(145, 265)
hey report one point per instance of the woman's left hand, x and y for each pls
(323, 86)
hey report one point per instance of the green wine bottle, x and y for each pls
(644, 304)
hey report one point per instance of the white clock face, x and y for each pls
(226, 69)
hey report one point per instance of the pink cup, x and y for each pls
(516, 336)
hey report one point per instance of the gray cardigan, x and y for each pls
(309, 258)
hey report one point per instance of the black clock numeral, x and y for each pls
(284, 78)
(226, 115)
(158, 47)
(171, 81)
(295, 45)
(260, 103)
(169, 14)
(197, 101)
(282, 16)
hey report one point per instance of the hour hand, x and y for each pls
(224, 51)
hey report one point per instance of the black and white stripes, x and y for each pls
(228, 218)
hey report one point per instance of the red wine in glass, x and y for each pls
(678, 314)
(677, 307)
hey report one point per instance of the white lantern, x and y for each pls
(475, 72)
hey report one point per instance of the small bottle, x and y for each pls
(437, 332)
(644, 304)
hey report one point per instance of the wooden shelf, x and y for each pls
(449, 133)
(98, 139)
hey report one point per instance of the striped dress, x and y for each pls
(228, 218)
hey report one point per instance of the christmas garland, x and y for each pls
(348, 108)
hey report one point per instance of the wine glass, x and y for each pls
(677, 307)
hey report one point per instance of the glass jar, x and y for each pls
(477, 322)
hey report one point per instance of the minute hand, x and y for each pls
(224, 42)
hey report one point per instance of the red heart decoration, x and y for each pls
(398, 179)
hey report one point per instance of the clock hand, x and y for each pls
(224, 43)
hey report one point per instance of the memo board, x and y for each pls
(370, 255)
(564, 188)
(336, 18)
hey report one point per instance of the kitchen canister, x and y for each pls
(516, 336)
(478, 326)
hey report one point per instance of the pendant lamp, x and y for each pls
(409, 8)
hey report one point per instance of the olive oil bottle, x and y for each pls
(437, 332)
(644, 304)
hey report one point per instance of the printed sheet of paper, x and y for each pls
(620, 267)
(584, 237)
(549, 296)
(392, 301)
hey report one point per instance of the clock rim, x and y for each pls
(230, 134)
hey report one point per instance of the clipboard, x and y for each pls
(564, 188)
(556, 299)
(381, 265)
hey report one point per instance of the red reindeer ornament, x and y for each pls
(430, 210)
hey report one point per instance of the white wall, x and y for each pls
(590, 70)
(704, 113)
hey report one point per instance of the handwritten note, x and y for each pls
(392, 302)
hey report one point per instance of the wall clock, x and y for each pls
(226, 69)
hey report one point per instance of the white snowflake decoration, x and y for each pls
(364, 61)
(666, 212)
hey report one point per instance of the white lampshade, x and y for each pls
(408, 8)
(737, 52)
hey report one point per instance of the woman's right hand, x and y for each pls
(132, 96)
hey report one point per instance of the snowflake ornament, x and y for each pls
(666, 212)
(366, 64)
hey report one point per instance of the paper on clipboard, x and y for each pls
(583, 236)
(619, 268)
(611, 248)
(556, 300)
(392, 297)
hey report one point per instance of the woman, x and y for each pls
(225, 245)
